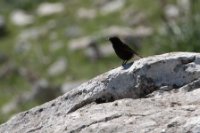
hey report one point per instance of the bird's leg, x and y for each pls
(124, 62)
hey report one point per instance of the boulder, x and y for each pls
(21, 18)
(112, 6)
(139, 32)
(58, 67)
(134, 18)
(81, 43)
(172, 11)
(106, 49)
(93, 52)
(154, 94)
(48, 9)
(84, 13)
(74, 31)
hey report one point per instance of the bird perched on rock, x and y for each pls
(122, 50)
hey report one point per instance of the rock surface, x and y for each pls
(154, 94)
(84, 13)
(58, 67)
(47, 9)
(21, 18)
(112, 6)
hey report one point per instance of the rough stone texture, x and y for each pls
(139, 97)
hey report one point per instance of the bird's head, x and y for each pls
(113, 38)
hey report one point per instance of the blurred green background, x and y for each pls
(47, 46)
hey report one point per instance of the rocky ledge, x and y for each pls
(154, 94)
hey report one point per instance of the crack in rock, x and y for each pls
(80, 105)
(34, 129)
(95, 122)
(191, 86)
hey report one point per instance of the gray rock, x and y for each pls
(21, 18)
(35, 33)
(185, 7)
(92, 49)
(55, 46)
(58, 67)
(172, 11)
(106, 49)
(32, 33)
(191, 86)
(112, 6)
(93, 52)
(47, 9)
(84, 13)
(73, 31)
(116, 101)
(134, 18)
(81, 43)
(89, 45)
(66, 87)
(141, 31)
(100, 3)
(132, 36)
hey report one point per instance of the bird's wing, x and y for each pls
(128, 49)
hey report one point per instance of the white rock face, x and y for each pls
(140, 31)
(172, 11)
(84, 13)
(47, 9)
(58, 67)
(21, 18)
(80, 43)
(154, 94)
(112, 6)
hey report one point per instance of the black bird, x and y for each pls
(122, 50)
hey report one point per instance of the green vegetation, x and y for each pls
(39, 57)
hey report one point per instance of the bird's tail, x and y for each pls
(138, 55)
